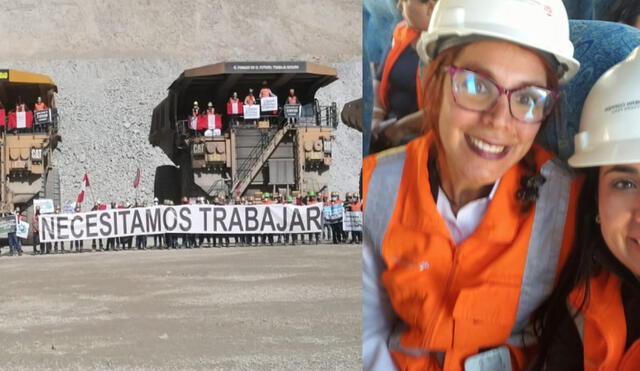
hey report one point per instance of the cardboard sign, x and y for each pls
(7, 224)
(269, 104)
(45, 205)
(352, 221)
(22, 229)
(291, 110)
(43, 116)
(251, 111)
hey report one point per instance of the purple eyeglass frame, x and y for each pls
(454, 69)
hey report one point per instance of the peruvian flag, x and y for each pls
(83, 188)
(136, 180)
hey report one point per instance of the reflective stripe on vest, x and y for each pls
(544, 246)
(385, 180)
(542, 254)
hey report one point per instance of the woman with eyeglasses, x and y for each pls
(592, 319)
(467, 226)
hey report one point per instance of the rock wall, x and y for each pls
(113, 61)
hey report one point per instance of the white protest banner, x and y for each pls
(196, 219)
(22, 229)
(251, 111)
(352, 221)
(45, 205)
(269, 104)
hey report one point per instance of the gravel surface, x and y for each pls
(113, 61)
(281, 308)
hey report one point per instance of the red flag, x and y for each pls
(136, 180)
(83, 188)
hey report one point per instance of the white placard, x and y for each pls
(196, 219)
(21, 120)
(251, 111)
(22, 229)
(269, 104)
(352, 221)
(45, 205)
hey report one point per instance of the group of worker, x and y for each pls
(484, 250)
(235, 106)
(9, 120)
(334, 210)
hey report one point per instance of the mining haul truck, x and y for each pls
(277, 144)
(29, 136)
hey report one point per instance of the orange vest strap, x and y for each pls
(403, 36)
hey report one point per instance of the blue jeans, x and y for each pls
(14, 243)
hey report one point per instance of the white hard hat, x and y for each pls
(542, 25)
(610, 122)
(195, 102)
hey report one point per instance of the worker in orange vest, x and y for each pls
(457, 222)
(397, 87)
(592, 320)
(40, 105)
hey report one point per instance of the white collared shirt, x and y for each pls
(469, 216)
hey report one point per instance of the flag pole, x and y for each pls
(92, 195)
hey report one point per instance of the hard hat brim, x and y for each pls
(611, 153)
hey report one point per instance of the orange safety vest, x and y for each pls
(454, 302)
(603, 328)
(403, 36)
(356, 206)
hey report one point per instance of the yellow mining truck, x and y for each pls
(28, 139)
(236, 148)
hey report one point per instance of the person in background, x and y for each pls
(591, 320)
(55, 244)
(157, 238)
(265, 91)
(250, 99)
(39, 105)
(79, 244)
(35, 230)
(14, 242)
(326, 218)
(398, 91)
(625, 11)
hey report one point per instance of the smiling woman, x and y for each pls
(591, 320)
(466, 226)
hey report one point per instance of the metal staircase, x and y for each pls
(258, 156)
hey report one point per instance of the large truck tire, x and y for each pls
(166, 184)
(52, 187)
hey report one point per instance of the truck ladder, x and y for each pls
(259, 155)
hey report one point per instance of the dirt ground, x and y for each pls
(259, 308)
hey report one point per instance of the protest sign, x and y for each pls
(196, 219)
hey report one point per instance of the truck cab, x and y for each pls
(222, 146)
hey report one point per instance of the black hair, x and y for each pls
(625, 11)
(576, 272)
